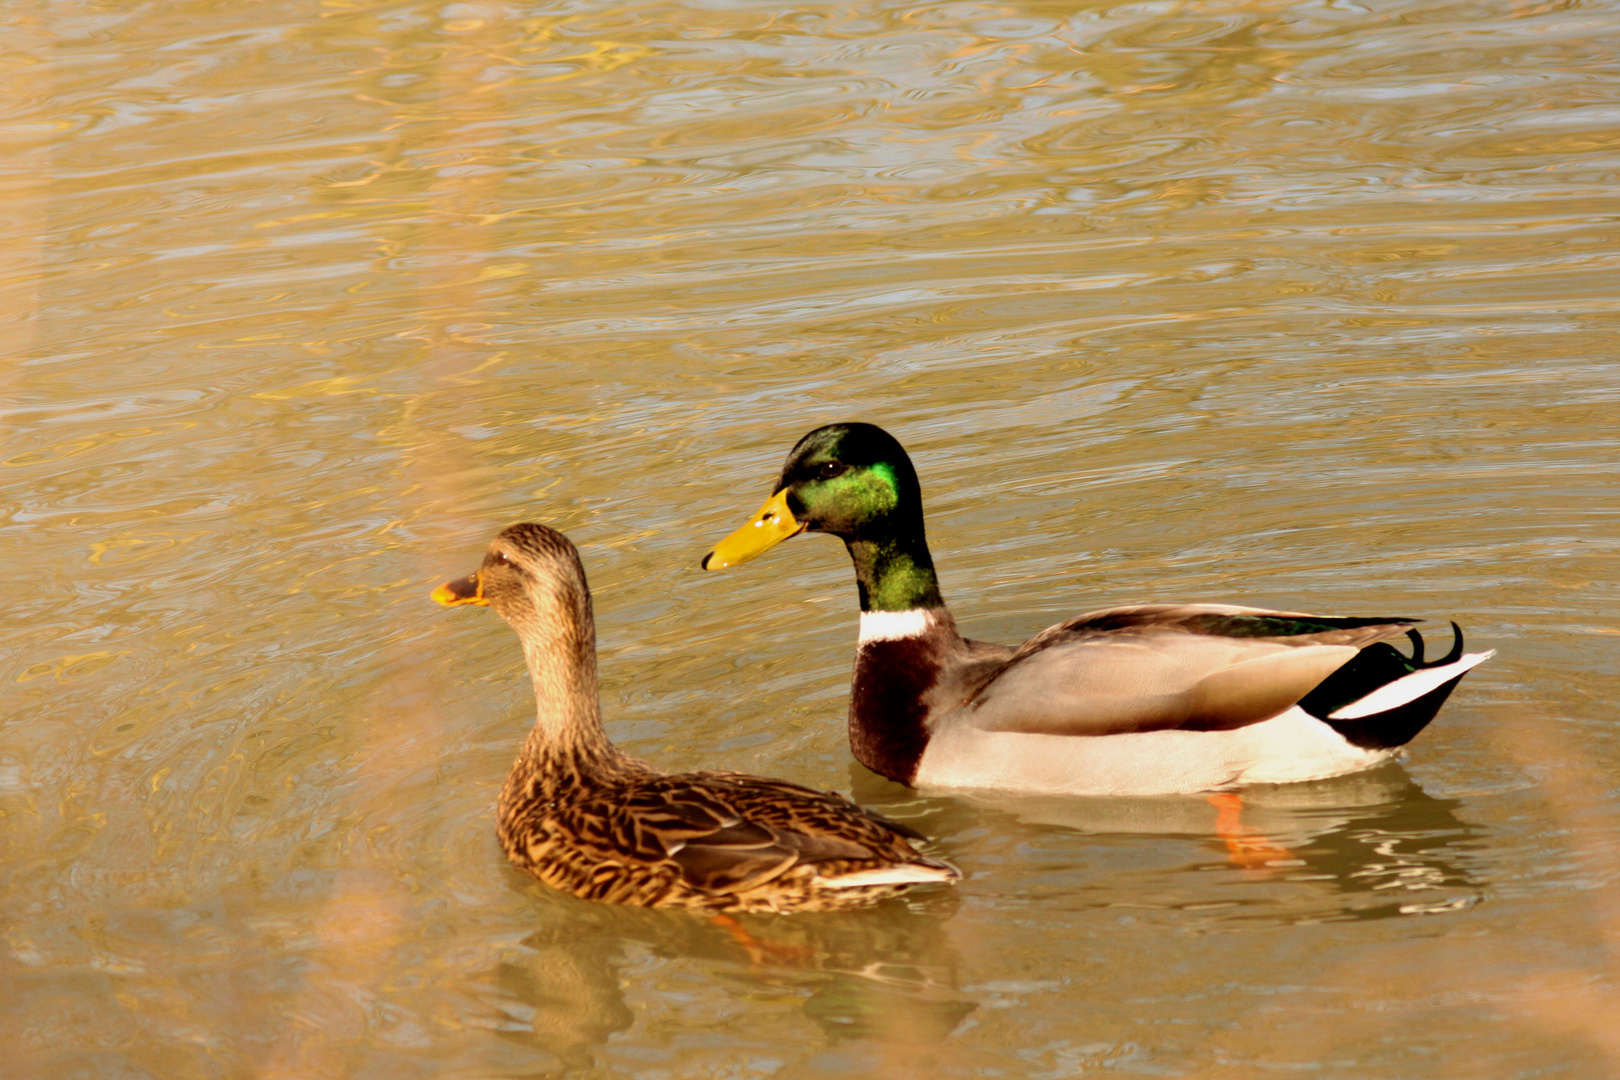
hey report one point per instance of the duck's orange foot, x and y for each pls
(762, 952)
(1246, 848)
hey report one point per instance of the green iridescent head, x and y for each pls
(856, 482)
(852, 480)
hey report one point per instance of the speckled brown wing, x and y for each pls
(786, 805)
(716, 849)
(767, 828)
(591, 848)
(713, 834)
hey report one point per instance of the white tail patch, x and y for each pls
(1408, 688)
(905, 874)
(892, 625)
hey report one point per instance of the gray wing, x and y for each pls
(1192, 667)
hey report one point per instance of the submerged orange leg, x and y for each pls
(1249, 849)
(761, 952)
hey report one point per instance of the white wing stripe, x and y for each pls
(889, 875)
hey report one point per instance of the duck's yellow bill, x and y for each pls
(466, 590)
(773, 524)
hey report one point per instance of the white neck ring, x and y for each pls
(893, 625)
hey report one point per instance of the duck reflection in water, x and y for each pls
(886, 975)
(1365, 846)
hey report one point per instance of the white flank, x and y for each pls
(908, 874)
(893, 625)
(1408, 688)
(1289, 747)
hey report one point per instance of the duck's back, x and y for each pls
(716, 841)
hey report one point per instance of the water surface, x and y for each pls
(1300, 305)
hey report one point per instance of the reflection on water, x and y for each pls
(891, 980)
(1366, 846)
(1228, 300)
(569, 984)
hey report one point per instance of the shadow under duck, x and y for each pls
(1143, 700)
(588, 819)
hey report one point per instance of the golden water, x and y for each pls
(1304, 305)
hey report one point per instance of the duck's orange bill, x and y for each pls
(773, 524)
(465, 590)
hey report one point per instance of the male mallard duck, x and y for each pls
(1151, 699)
(586, 818)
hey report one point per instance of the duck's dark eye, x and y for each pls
(830, 469)
(501, 560)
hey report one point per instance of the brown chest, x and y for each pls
(890, 704)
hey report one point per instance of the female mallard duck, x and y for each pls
(1151, 699)
(588, 819)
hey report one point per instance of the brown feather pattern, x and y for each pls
(585, 818)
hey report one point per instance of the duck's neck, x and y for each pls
(567, 743)
(906, 635)
(894, 572)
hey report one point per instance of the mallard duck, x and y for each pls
(586, 818)
(1149, 699)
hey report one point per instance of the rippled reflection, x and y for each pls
(887, 978)
(1367, 846)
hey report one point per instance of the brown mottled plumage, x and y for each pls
(588, 819)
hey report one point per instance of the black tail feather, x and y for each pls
(1456, 647)
(1374, 666)
(1397, 726)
